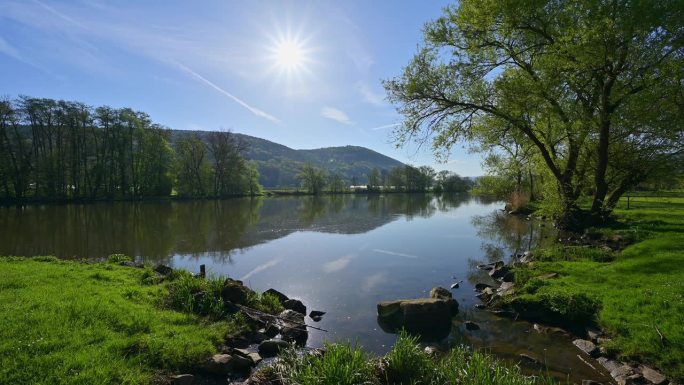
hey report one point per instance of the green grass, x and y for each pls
(74, 323)
(405, 364)
(637, 290)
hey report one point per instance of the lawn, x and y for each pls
(75, 323)
(639, 291)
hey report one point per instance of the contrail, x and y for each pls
(385, 126)
(237, 100)
(395, 253)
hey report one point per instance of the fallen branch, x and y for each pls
(256, 314)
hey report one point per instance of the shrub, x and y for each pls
(118, 258)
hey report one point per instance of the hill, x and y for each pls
(279, 165)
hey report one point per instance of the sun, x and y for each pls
(289, 55)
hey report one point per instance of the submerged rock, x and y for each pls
(425, 316)
(182, 379)
(440, 293)
(470, 325)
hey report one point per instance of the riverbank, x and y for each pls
(109, 323)
(635, 295)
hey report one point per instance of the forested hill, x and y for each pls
(279, 165)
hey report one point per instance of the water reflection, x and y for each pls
(158, 230)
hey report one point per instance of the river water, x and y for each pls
(340, 254)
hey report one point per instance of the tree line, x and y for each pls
(405, 178)
(65, 150)
(572, 101)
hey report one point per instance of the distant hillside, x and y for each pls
(279, 165)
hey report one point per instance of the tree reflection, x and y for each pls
(218, 228)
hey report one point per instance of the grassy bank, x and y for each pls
(638, 293)
(74, 323)
(66, 322)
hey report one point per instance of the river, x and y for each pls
(340, 254)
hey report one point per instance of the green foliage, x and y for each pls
(68, 323)
(118, 258)
(192, 294)
(341, 364)
(562, 91)
(312, 179)
(407, 364)
(574, 253)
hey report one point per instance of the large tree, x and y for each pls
(594, 86)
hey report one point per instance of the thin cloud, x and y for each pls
(338, 264)
(385, 126)
(237, 100)
(261, 268)
(336, 115)
(388, 252)
(371, 96)
(60, 14)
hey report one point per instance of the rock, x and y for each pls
(470, 325)
(281, 297)
(485, 294)
(634, 379)
(622, 371)
(653, 376)
(509, 276)
(422, 316)
(602, 340)
(269, 331)
(163, 270)
(182, 379)
(241, 363)
(255, 357)
(456, 285)
(138, 265)
(610, 365)
(485, 267)
(440, 293)
(497, 273)
(271, 348)
(480, 306)
(294, 328)
(586, 346)
(593, 334)
(481, 286)
(316, 313)
(506, 288)
(235, 292)
(590, 382)
(296, 305)
(219, 364)
(529, 358)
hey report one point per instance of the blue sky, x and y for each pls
(304, 74)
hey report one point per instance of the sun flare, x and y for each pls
(290, 56)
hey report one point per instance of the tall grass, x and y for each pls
(405, 364)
